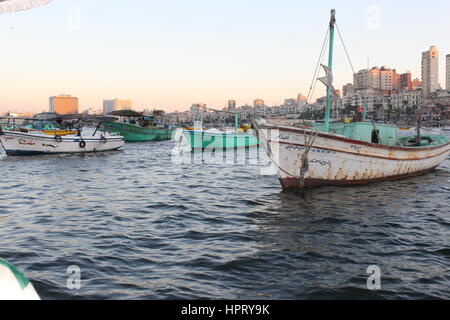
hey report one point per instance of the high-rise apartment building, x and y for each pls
(448, 73)
(384, 79)
(258, 103)
(232, 105)
(199, 107)
(63, 104)
(416, 84)
(301, 98)
(116, 104)
(348, 89)
(430, 71)
(404, 81)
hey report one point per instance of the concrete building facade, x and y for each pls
(384, 79)
(63, 104)
(380, 103)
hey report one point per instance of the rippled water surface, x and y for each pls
(140, 225)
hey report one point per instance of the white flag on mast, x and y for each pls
(328, 80)
(19, 5)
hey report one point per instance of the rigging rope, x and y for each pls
(345, 48)
(322, 53)
(319, 62)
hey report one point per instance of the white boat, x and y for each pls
(337, 159)
(214, 139)
(219, 140)
(315, 154)
(18, 143)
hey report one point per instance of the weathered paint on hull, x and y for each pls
(133, 133)
(22, 144)
(336, 160)
(294, 183)
(199, 140)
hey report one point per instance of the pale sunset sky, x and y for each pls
(169, 54)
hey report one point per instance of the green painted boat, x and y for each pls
(137, 127)
(201, 140)
(136, 133)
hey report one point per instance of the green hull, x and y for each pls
(133, 133)
(199, 140)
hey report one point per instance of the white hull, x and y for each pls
(335, 160)
(24, 144)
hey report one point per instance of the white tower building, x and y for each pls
(430, 71)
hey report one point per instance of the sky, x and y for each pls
(169, 54)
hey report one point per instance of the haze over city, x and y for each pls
(170, 54)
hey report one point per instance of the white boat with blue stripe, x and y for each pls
(17, 143)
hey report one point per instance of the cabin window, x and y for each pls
(375, 136)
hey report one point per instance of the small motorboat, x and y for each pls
(219, 140)
(239, 137)
(22, 142)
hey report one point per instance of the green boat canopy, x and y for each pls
(50, 116)
(74, 117)
(126, 113)
(98, 119)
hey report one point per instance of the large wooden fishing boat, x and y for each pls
(355, 153)
(138, 128)
(349, 154)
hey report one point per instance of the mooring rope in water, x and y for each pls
(305, 160)
(309, 142)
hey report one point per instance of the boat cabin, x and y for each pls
(384, 134)
(363, 131)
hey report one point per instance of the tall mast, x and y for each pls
(330, 65)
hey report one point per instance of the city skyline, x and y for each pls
(168, 56)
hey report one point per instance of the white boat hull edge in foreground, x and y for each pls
(14, 285)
